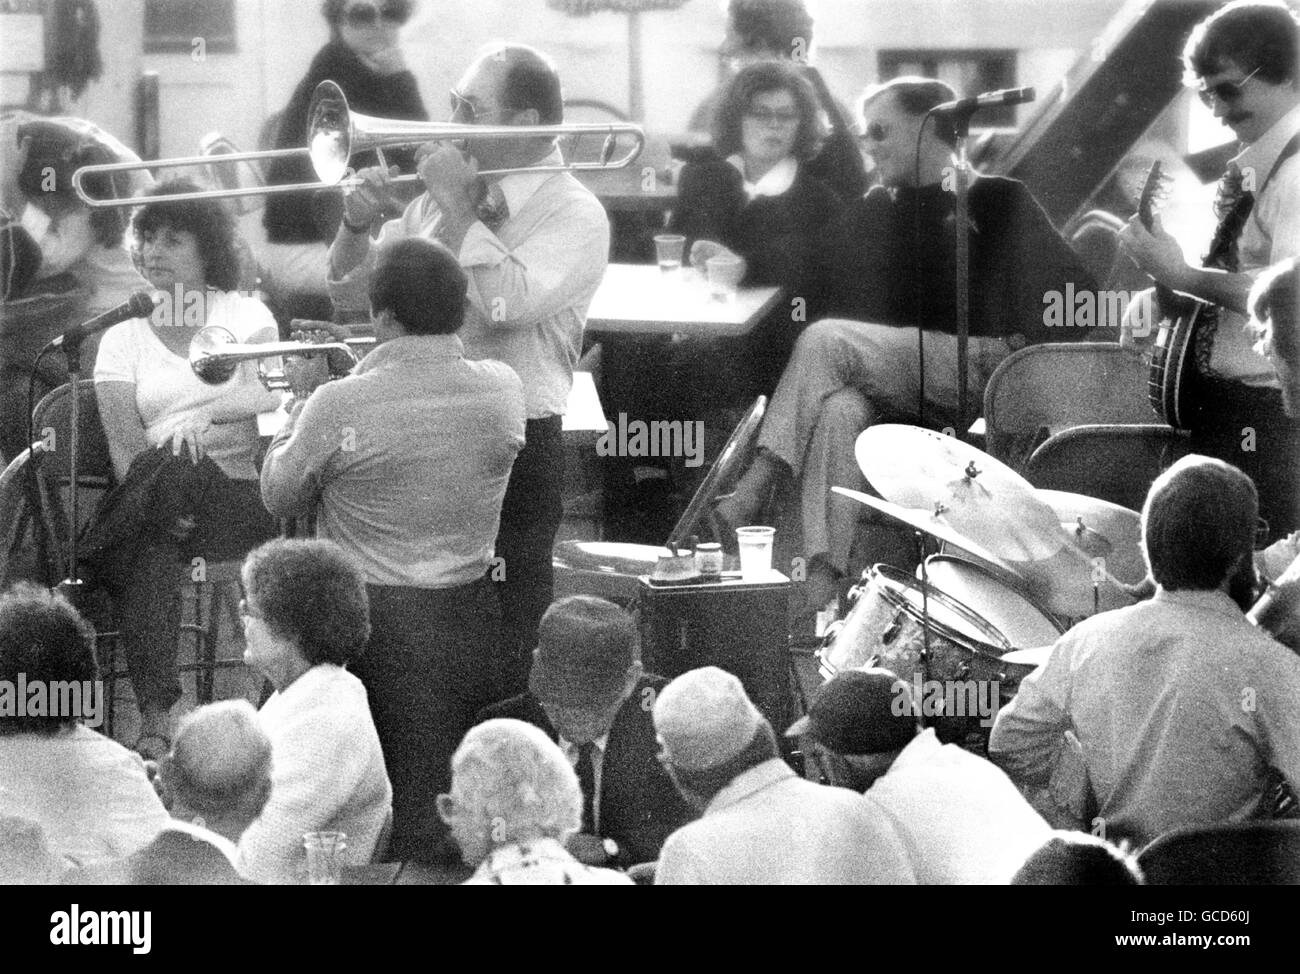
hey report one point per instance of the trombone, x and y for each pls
(336, 133)
(215, 356)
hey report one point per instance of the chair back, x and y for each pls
(1043, 389)
(1237, 854)
(1115, 462)
(232, 175)
(25, 550)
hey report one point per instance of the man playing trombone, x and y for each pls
(534, 245)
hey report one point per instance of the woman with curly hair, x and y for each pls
(306, 617)
(184, 452)
(758, 201)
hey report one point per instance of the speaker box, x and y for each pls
(739, 626)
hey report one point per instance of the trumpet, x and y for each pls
(335, 133)
(215, 356)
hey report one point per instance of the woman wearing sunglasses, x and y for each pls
(757, 201)
(364, 58)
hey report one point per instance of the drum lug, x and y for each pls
(890, 634)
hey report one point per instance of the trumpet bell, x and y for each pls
(215, 356)
(207, 357)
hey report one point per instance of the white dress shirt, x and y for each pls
(1179, 705)
(770, 827)
(530, 281)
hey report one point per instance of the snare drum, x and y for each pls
(1004, 605)
(888, 622)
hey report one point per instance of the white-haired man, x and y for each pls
(514, 802)
(216, 781)
(760, 823)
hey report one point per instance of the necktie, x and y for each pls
(586, 769)
(493, 210)
(1232, 206)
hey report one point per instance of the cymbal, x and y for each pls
(1117, 527)
(981, 498)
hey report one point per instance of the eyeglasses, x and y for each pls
(367, 14)
(1225, 91)
(875, 132)
(766, 116)
(464, 110)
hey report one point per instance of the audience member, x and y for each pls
(305, 618)
(169, 508)
(514, 803)
(760, 823)
(414, 494)
(89, 794)
(757, 201)
(1078, 859)
(217, 780)
(1180, 706)
(588, 693)
(364, 58)
(765, 30)
(962, 819)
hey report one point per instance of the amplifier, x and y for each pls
(740, 626)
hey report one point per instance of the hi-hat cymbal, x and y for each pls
(1118, 527)
(982, 499)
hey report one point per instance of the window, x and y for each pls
(969, 72)
(172, 25)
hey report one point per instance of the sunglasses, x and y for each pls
(875, 132)
(367, 14)
(766, 116)
(1225, 91)
(464, 110)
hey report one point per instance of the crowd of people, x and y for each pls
(433, 700)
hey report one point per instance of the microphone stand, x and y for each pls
(961, 127)
(72, 586)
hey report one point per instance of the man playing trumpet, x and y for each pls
(534, 246)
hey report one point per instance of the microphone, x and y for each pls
(1005, 96)
(138, 305)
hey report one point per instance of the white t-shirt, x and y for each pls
(167, 392)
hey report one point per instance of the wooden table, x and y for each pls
(640, 299)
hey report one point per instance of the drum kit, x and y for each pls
(1018, 567)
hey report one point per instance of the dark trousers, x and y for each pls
(144, 570)
(433, 661)
(1247, 427)
(530, 516)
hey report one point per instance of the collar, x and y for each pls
(774, 182)
(412, 348)
(224, 845)
(571, 750)
(522, 855)
(1263, 152)
(1211, 600)
(518, 187)
(918, 750)
(750, 783)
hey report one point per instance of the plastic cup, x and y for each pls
(755, 551)
(668, 251)
(724, 273)
(325, 857)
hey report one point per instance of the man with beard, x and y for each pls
(1179, 704)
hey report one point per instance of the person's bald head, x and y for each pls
(219, 767)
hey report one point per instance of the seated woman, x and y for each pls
(306, 616)
(184, 452)
(758, 201)
(89, 795)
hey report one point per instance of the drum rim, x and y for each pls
(1013, 584)
(890, 573)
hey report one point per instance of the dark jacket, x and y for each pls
(303, 218)
(892, 260)
(639, 805)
